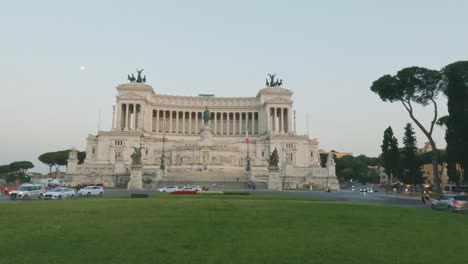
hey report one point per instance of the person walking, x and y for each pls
(423, 198)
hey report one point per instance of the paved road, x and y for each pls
(381, 198)
(342, 196)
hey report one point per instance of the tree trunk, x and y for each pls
(435, 165)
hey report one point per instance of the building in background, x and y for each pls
(170, 131)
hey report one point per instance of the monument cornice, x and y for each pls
(132, 87)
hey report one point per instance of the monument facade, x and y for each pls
(202, 139)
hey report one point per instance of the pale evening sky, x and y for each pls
(327, 52)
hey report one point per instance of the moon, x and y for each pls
(82, 68)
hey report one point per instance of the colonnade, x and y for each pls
(189, 122)
(279, 120)
(129, 117)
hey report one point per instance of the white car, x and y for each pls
(168, 189)
(196, 187)
(28, 191)
(91, 191)
(59, 193)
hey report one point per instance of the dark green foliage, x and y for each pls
(323, 159)
(411, 168)
(390, 153)
(19, 169)
(5, 169)
(414, 85)
(456, 123)
(21, 166)
(81, 157)
(357, 169)
(59, 158)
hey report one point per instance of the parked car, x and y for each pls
(8, 189)
(28, 191)
(59, 193)
(196, 187)
(168, 189)
(453, 203)
(91, 191)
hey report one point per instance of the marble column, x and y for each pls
(190, 122)
(157, 120)
(222, 123)
(215, 123)
(177, 122)
(282, 120)
(240, 123)
(275, 120)
(246, 122)
(127, 118)
(163, 128)
(183, 122)
(170, 121)
(234, 123)
(196, 123)
(227, 124)
(268, 114)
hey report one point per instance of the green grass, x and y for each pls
(226, 229)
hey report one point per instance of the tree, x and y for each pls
(356, 168)
(57, 159)
(21, 167)
(456, 77)
(412, 173)
(81, 157)
(390, 153)
(5, 169)
(47, 159)
(452, 149)
(414, 85)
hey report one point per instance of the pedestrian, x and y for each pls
(427, 197)
(423, 198)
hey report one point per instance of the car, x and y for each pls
(451, 202)
(91, 191)
(196, 187)
(185, 190)
(363, 190)
(59, 193)
(370, 189)
(28, 191)
(168, 189)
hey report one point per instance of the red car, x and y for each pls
(10, 188)
(186, 190)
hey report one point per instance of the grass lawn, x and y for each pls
(226, 229)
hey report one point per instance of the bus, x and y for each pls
(451, 188)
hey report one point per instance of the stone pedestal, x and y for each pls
(206, 137)
(136, 179)
(273, 179)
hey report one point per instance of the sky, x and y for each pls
(60, 62)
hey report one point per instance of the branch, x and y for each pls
(410, 111)
(435, 116)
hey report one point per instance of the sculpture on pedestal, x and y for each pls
(206, 116)
(274, 159)
(272, 82)
(136, 156)
(138, 79)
